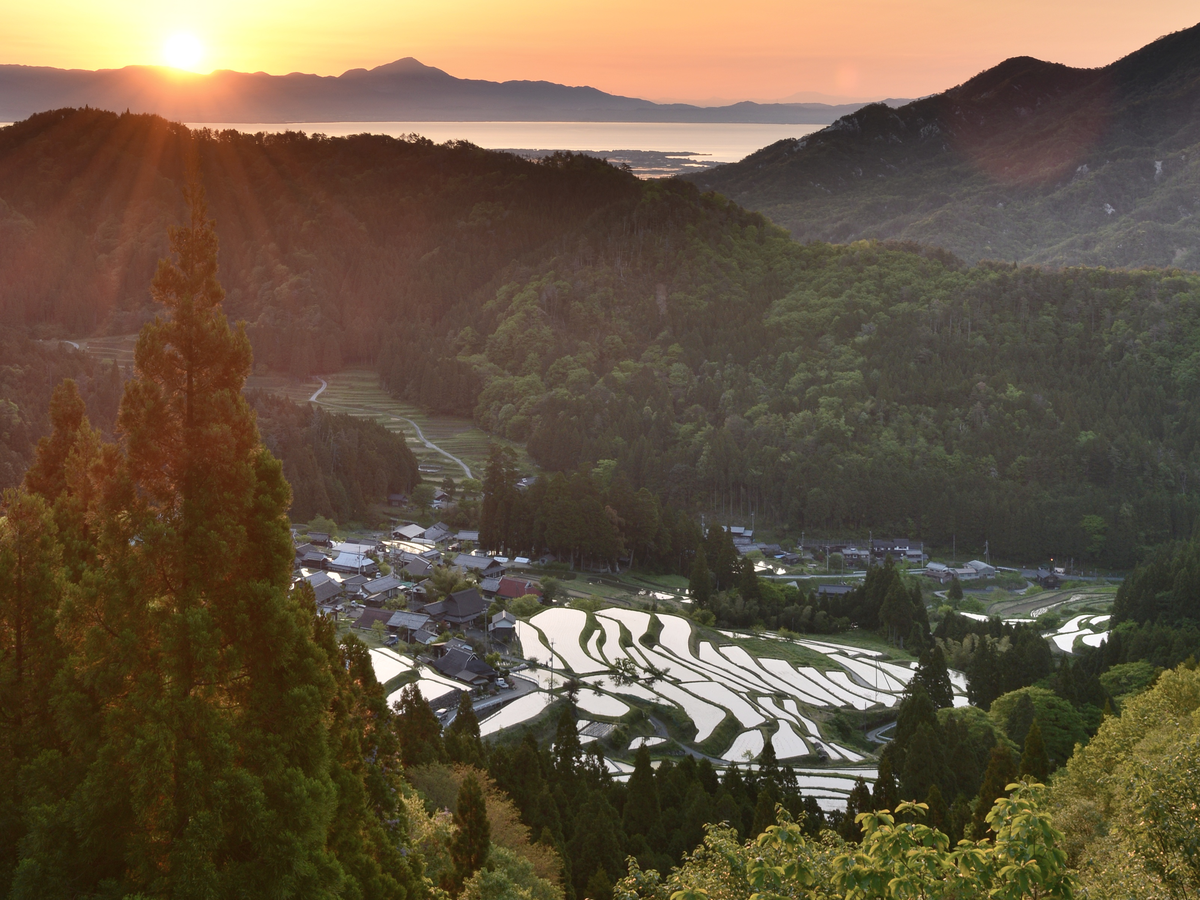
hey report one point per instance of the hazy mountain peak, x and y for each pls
(408, 66)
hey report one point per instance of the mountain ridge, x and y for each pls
(403, 90)
(1029, 160)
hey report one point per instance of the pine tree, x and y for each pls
(858, 801)
(1035, 761)
(938, 811)
(472, 832)
(567, 750)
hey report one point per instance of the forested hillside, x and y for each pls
(325, 244)
(864, 386)
(1028, 161)
(720, 365)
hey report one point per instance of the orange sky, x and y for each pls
(702, 50)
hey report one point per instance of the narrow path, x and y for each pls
(432, 446)
(875, 735)
(376, 413)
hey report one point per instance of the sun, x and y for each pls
(183, 50)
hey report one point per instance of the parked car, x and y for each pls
(502, 684)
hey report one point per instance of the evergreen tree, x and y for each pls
(418, 729)
(568, 752)
(1035, 761)
(462, 740)
(885, 794)
(934, 677)
(198, 695)
(955, 592)
(858, 801)
(1001, 772)
(938, 811)
(641, 811)
(472, 832)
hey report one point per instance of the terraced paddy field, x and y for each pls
(713, 693)
(357, 392)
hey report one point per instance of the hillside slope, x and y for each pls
(1028, 161)
(595, 317)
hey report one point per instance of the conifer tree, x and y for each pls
(1035, 761)
(472, 832)
(418, 729)
(198, 697)
(1001, 772)
(934, 676)
(885, 794)
(641, 811)
(463, 743)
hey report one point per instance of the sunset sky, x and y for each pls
(700, 51)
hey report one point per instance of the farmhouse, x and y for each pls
(463, 608)
(485, 566)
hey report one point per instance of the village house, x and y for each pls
(438, 533)
(462, 608)
(503, 626)
(460, 663)
(384, 588)
(406, 625)
(511, 588)
(484, 566)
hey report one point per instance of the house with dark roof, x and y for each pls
(486, 566)
(416, 566)
(406, 624)
(319, 538)
(465, 666)
(369, 617)
(834, 590)
(489, 586)
(437, 532)
(326, 589)
(384, 588)
(463, 608)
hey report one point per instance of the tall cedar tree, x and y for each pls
(934, 676)
(472, 832)
(1001, 772)
(1035, 761)
(198, 695)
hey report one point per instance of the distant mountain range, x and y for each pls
(1029, 161)
(403, 91)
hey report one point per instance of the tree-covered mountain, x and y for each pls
(1028, 161)
(713, 360)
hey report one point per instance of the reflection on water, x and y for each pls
(649, 148)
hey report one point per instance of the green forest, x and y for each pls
(180, 722)
(604, 321)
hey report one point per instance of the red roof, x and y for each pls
(513, 587)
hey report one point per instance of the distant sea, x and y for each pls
(649, 148)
